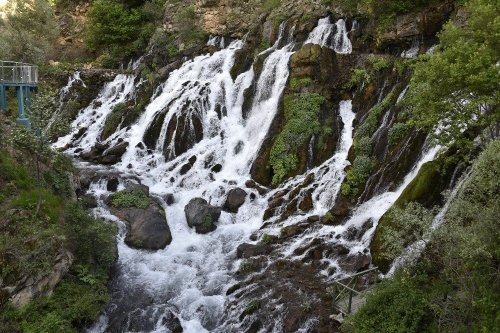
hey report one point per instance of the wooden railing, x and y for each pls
(18, 73)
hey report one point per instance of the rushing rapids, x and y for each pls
(193, 125)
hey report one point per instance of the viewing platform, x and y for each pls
(23, 78)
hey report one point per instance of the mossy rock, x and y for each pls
(432, 179)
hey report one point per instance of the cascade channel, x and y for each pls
(193, 124)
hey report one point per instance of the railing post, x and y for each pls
(21, 120)
(3, 99)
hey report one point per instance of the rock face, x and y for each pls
(147, 228)
(202, 216)
(249, 250)
(235, 199)
(34, 287)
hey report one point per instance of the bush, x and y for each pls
(117, 31)
(125, 199)
(301, 122)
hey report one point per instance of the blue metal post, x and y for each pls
(21, 120)
(3, 99)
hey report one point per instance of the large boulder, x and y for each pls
(201, 215)
(235, 198)
(147, 227)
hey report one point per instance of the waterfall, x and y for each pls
(414, 250)
(91, 119)
(190, 276)
(193, 123)
(73, 79)
(331, 35)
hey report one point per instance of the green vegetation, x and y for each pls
(456, 88)
(117, 30)
(301, 122)
(453, 286)
(363, 164)
(27, 30)
(359, 77)
(207, 221)
(269, 5)
(185, 19)
(38, 225)
(127, 199)
(298, 83)
(114, 120)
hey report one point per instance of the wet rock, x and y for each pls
(216, 168)
(147, 228)
(132, 185)
(355, 263)
(114, 154)
(112, 184)
(169, 199)
(185, 168)
(246, 250)
(313, 219)
(250, 183)
(171, 322)
(235, 199)
(202, 216)
(308, 180)
(306, 204)
(276, 203)
(192, 160)
(88, 201)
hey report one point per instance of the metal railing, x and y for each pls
(347, 295)
(18, 73)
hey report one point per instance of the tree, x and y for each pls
(27, 30)
(456, 88)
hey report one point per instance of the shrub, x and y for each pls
(301, 122)
(125, 199)
(359, 77)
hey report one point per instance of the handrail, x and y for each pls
(18, 72)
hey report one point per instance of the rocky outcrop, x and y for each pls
(31, 287)
(103, 154)
(147, 227)
(202, 216)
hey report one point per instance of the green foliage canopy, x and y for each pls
(456, 88)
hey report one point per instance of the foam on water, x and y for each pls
(334, 36)
(191, 274)
(93, 117)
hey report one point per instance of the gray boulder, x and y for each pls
(235, 198)
(147, 228)
(202, 216)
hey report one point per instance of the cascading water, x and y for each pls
(193, 123)
(334, 36)
(73, 79)
(92, 118)
(189, 276)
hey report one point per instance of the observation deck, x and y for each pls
(23, 78)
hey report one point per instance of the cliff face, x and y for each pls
(304, 98)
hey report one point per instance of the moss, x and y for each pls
(301, 122)
(125, 199)
(114, 120)
(299, 83)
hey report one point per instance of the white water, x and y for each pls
(190, 276)
(93, 117)
(331, 35)
(414, 250)
(73, 79)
